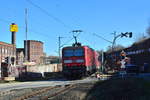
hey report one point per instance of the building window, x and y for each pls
(6, 51)
(2, 50)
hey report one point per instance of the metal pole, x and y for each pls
(114, 41)
(13, 38)
(59, 49)
(102, 61)
(26, 31)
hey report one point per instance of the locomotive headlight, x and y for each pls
(79, 61)
(67, 61)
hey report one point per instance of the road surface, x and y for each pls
(34, 84)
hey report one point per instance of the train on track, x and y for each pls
(79, 61)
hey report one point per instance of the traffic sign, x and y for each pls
(122, 53)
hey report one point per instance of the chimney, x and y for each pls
(13, 37)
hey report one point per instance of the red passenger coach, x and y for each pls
(79, 61)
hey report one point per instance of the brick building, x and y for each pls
(7, 56)
(34, 50)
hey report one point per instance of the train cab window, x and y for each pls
(75, 52)
(68, 53)
(78, 52)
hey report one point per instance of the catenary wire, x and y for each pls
(48, 14)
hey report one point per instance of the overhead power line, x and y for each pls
(102, 38)
(5, 21)
(66, 42)
(48, 14)
(70, 40)
(31, 30)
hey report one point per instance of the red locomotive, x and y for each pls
(79, 61)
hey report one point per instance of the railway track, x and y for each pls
(41, 92)
(45, 93)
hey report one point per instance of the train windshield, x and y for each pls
(75, 52)
(78, 52)
(68, 53)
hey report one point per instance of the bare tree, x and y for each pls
(148, 30)
(116, 48)
(140, 37)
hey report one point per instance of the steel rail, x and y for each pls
(45, 90)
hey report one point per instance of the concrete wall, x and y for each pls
(23, 71)
(45, 68)
(38, 70)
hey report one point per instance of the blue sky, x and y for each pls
(92, 16)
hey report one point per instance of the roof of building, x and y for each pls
(34, 41)
(6, 44)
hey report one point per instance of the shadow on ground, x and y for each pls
(48, 76)
(120, 89)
